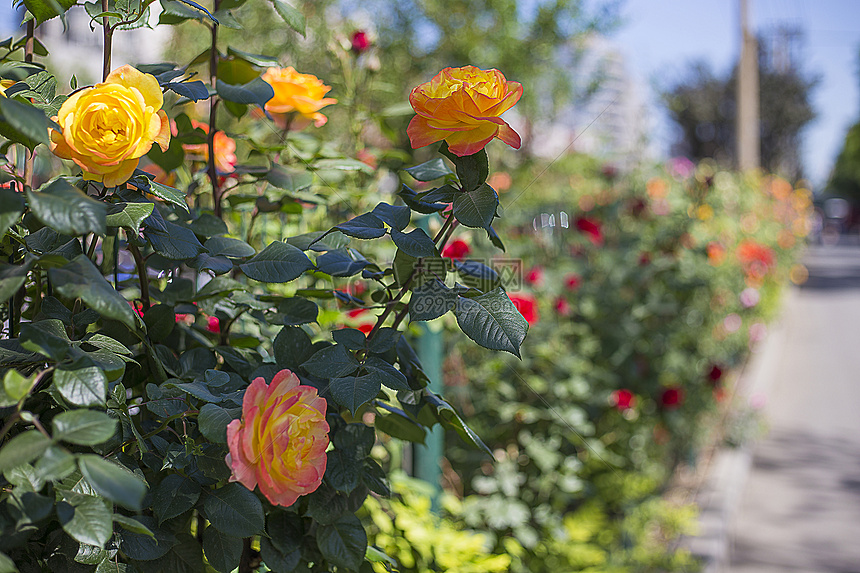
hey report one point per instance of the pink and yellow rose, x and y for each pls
(303, 94)
(281, 439)
(107, 128)
(463, 106)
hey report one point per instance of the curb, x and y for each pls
(720, 497)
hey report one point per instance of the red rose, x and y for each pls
(562, 306)
(456, 250)
(716, 373)
(672, 397)
(360, 42)
(527, 305)
(213, 324)
(591, 228)
(572, 282)
(623, 399)
(366, 328)
(356, 312)
(535, 276)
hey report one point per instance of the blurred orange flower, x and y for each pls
(756, 259)
(300, 93)
(280, 442)
(225, 149)
(462, 106)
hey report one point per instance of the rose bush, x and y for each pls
(106, 129)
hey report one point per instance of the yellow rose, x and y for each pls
(295, 92)
(109, 127)
(462, 106)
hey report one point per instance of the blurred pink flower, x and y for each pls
(534, 276)
(591, 228)
(672, 397)
(213, 324)
(749, 297)
(527, 305)
(458, 249)
(623, 399)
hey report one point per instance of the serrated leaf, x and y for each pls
(431, 300)
(223, 552)
(131, 524)
(365, 226)
(128, 215)
(279, 262)
(47, 337)
(175, 242)
(339, 263)
(81, 385)
(234, 510)
(85, 518)
(113, 481)
(24, 123)
(492, 321)
(213, 422)
(174, 496)
(142, 547)
(293, 18)
(83, 427)
(331, 362)
(386, 373)
(344, 542)
(12, 277)
(415, 243)
(429, 170)
(342, 470)
(229, 247)
(353, 392)
(256, 92)
(44, 10)
(297, 311)
(22, 449)
(11, 207)
(81, 279)
(66, 209)
(476, 208)
(292, 347)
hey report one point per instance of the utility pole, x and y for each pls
(747, 119)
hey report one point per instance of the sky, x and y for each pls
(659, 37)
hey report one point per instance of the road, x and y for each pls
(800, 509)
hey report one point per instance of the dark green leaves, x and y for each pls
(11, 207)
(83, 427)
(81, 279)
(331, 362)
(365, 226)
(44, 10)
(213, 422)
(174, 496)
(277, 263)
(174, 241)
(354, 391)
(22, 449)
(472, 170)
(234, 510)
(492, 321)
(24, 123)
(256, 92)
(433, 169)
(415, 243)
(128, 215)
(229, 247)
(113, 481)
(85, 518)
(291, 16)
(81, 385)
(66, 209)
(343, 542)
(476, 208)
(223, 552)
(431, 300)
(47, 337)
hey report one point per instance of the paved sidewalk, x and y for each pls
(799, 510)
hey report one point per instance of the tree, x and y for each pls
(703, 106)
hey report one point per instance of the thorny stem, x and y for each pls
(213, 108)
(141, 274)
(108, 37)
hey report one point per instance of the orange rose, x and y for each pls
(280, 442)
(225, 149)
(107, 128)
(462, 106)
(295, 92)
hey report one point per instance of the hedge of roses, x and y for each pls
(189, 380)
(643, 292)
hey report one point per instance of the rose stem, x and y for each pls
(213, 107)
(108, 35)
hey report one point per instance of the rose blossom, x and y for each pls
(527, 305)
(462, 106)
(458, 249)
(300, 93)
(623, 399)
(281, 440)
(672, 397)
(591, 228)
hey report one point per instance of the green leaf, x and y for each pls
(160, 321)
(297, 311)
(492, 321)
(293, 18)
(47, 337)
(292, 347)
(107, 343)
(415, 243)
(365, 226)
(213, 422)
(476, 208)
(81, 385)
(256, 59)
(168, 194)
(354, 391)
(11, 207)
(386, 373)
(8, 566)
(55, 464)
(174, 496)
(229, 247)
(331, 362)
(449, 417)
(128, 215)
(219, 286)
(234, 510)
(65, 208)
(344, 542)
(85, 518)
(83, 427)
(142, 547)
(431, 300)
(374, 478)
(131, 524)
(22, 449)
(81, 279)
(278, 263)
(343, 164)
(24, 123)
(399, 425)
(223, 552)
(113, 481)
(256, 92)
(17, 386)
(289, 179)
(430, 170)
(342, 470)
(351, 338)
(376, 555)
(175, 242)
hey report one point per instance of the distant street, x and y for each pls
(800, 511)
